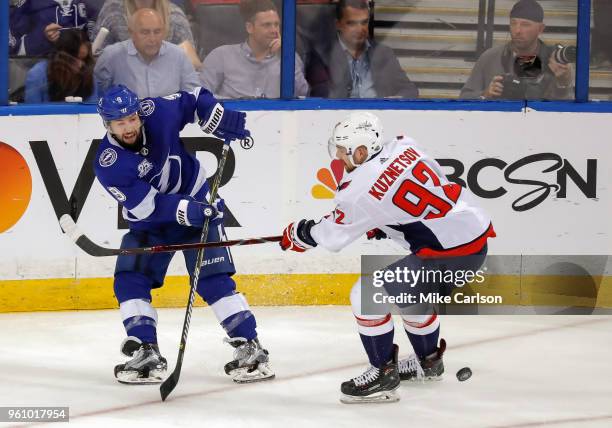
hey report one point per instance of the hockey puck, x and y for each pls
(464, 374)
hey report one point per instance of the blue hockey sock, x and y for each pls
(379, 348)
(241, 324)
(141, 327)
(424, 344)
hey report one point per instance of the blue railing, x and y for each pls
(4, 33)
(287, 102)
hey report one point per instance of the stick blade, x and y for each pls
(168, 385)
(69, 227)
(83, 242)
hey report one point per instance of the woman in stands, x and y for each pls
(115, 14)
(68, 73)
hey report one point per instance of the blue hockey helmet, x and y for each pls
(118, 101)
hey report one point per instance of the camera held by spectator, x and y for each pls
(526, 79)
(565, 54)
(525, 67)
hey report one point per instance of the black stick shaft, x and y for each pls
(170, 383)
(93, 249)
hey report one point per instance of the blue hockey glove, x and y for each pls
(191, 213)
(225, 124)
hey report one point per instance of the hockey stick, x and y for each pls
(84, 243)
(171, 381)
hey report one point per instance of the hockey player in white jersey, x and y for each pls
(394, 190)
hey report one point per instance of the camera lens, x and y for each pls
(565, 54)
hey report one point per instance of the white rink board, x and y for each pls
(272, 185)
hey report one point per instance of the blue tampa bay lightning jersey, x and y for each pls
(150, 184)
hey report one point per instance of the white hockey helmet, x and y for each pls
(355, 130)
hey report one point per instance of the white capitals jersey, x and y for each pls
(403, 192)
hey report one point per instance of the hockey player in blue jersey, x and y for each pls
(163, 190)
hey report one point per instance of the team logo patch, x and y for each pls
(365, 125)
(172, 96)
(117, 194)
(147, 107)
(108, 157)
(144, 167)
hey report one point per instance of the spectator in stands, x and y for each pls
(69, 72)
(523, 68)
(352, 66)
(252, 68)
(146, 63)
(115, 15)
(93, 9)
(35, 25)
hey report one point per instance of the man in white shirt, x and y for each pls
(148, 65)
(251, 69)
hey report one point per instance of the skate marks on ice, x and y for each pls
(310, 367)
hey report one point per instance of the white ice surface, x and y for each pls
(529, 371)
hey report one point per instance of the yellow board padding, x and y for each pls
(97, 293)
(295, 289)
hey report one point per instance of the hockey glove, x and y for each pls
(296, 237)
(191, 213)
(376, 234)
(225, 124)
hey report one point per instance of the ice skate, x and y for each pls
(429, 368)
(146, 366)
(375, 385)
(250, 363)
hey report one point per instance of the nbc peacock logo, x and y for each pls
(329, 178)
(15, 186)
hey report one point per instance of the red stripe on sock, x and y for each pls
(372, 323)
(430, 321)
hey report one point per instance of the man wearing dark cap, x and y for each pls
(523, 68)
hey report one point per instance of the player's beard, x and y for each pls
(134, 146)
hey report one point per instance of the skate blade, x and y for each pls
(378, 398)
(134, 378)
(244, 375)
(424, 379)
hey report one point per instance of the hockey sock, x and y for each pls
(241, 324)
(423, 333)
(142, 328)
(376, 334)
(235, 316)
(379, 348)
(139, 319)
